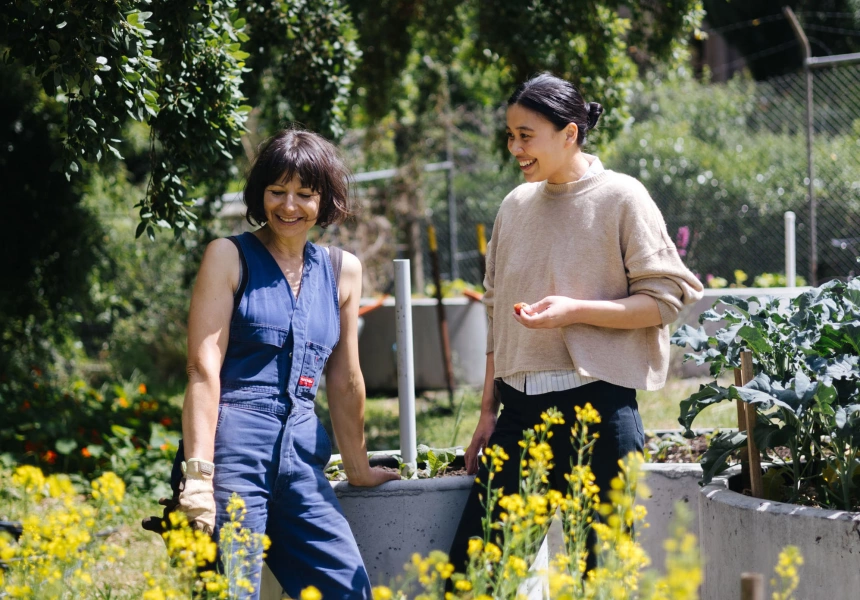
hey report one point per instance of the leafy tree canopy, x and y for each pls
(181, 67)
(192, 69)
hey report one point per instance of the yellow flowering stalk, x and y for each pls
(60, 550)
(786, 571)
(241, 550)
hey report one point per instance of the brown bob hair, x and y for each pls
(314, 159)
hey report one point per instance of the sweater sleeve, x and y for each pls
(653, 265)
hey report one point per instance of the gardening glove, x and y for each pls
(197, 496)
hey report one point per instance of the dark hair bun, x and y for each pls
(594, 112)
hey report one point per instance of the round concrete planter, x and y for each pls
(399, 518)
(740, 534)
(395, 520)
(668, 485)
(467, 329)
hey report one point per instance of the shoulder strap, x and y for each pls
(243, 272)
(336, 255)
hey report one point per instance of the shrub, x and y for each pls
(74, 428)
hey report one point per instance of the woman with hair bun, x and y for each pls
(584, 255)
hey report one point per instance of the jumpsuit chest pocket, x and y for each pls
(253, 356)
(314, 360)
(259, 334)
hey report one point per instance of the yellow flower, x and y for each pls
(475, 546)
(30, 479)
(311, 593)
(382, 593)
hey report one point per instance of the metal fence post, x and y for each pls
(810, 169)
(790, 251)
(405, 362)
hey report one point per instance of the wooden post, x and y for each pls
(752, 586)
(440, 314)
(742, 426)
(751, 463)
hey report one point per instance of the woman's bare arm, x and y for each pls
(345, 384)
(208, 333)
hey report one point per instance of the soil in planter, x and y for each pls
(672, 447)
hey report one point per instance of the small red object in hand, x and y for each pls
(519, 306)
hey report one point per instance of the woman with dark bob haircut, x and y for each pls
(269, 311)
(584, 255)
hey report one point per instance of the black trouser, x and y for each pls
(620, 432)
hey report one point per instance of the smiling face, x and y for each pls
(543, 152)
(291, 207)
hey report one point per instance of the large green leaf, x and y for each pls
(707, 395)
(715, 458)
(697, 339)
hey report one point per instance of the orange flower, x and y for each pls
(164, 447)
(122, 402)
(50, 457)
(85, 452)
(142, 388)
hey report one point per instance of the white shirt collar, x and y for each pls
(595, 167)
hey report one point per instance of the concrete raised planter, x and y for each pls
(399, 518)
(467, 330)
(741, 534)
(668, 484)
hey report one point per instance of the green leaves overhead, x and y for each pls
(96, 55)
(180, 66)
(302, 58)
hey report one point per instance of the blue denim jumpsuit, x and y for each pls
(270, 447)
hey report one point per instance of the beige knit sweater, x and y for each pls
(602, 238)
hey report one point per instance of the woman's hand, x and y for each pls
(633, 312)
(480, 439)
(549, 313)
(373, 476)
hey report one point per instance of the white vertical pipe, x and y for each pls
(405, 363)
(790, 251)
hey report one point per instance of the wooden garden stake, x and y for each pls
(748, 419)
(752, 586)
(742, 426)
(440, 314)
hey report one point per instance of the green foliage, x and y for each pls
(200, 114)
(303, 57)
(70, 427)
(179, 67)
(806, 391)
(98, 55)
(50, 237)
(589, 44)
